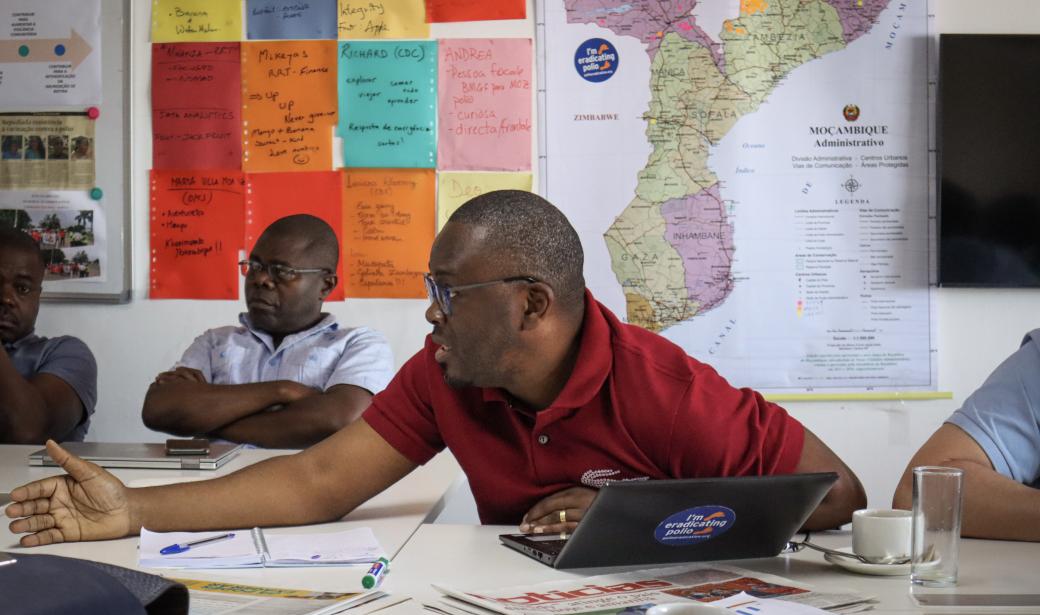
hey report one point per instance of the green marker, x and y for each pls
(375, 574)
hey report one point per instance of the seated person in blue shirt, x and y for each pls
(48, 386)
(290, 375)
(995, 438)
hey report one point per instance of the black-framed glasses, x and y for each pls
(278, 273)
(441, 294)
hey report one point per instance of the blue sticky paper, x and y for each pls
(291, 19)
(388, 103)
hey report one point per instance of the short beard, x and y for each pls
(454, 383)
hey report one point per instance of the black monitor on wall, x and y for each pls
(989, 160)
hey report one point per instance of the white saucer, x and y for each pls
(855, 565)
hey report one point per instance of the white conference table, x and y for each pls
(393, 515)
(471, 558)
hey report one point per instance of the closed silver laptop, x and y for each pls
(142, 455)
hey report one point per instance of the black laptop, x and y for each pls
(684, 520)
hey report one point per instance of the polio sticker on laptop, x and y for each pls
(695, 525)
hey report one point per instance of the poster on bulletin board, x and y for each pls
(64, 141)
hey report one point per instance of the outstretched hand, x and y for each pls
(559, 513)
(87, 503)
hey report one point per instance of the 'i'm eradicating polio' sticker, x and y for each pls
(695, 525)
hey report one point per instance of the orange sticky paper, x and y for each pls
(474, 10)
(196, 233)
(288, 104)
(270, 196)
(388, 224)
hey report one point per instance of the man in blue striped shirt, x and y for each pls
(289, 375)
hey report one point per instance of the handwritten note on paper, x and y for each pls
(383, 19)
(196, 231)
(474, 10)
(196, 106)
(387, 104)
(291, 19)
(454, 189)
(485, 104)
(289, 105)
(270, 196)
(388, 227)
(198, 21)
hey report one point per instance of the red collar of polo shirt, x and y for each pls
(591, 368)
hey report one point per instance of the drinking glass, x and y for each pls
(936, 526)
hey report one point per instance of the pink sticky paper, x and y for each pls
(485, 91)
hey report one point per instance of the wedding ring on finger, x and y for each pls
(563, 516)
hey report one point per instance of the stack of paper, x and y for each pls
(218, 598)
(638, 591)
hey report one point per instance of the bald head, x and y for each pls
(527, 231)
(319, 240)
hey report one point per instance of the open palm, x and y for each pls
(87, 503)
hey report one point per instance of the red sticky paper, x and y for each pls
(196, 230)
(196, 106)
(270, 196)
(474, 10)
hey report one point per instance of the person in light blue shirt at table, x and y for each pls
(995, 438)
(289, 376)
(48, 386)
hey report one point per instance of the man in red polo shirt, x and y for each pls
(539, 391)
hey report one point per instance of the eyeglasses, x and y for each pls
(442, 294)
(278, 273)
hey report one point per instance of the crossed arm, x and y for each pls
(319, 484)
(37, 408)
(276, 414)
(995, 506)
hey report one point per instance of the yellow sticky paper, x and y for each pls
(454, 189)
(383, 19)
(182, 21)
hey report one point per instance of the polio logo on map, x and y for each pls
(596, 60)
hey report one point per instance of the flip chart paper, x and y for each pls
(289, 105)
(382, 19)
(387, 105)
(474, 10)
(196, 106)
(388, 219)
(196, 230)
(454, 189)
(199, 21)
(484, 100)
(270, 196)
(279, 19)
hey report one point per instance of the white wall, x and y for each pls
(134, 342)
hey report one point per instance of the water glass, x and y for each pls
(936, 527)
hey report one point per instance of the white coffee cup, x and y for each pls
(689, 607)
(880, 533)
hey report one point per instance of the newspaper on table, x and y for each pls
(220, 598)
(634, 592)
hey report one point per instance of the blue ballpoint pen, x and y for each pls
(181, 547)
